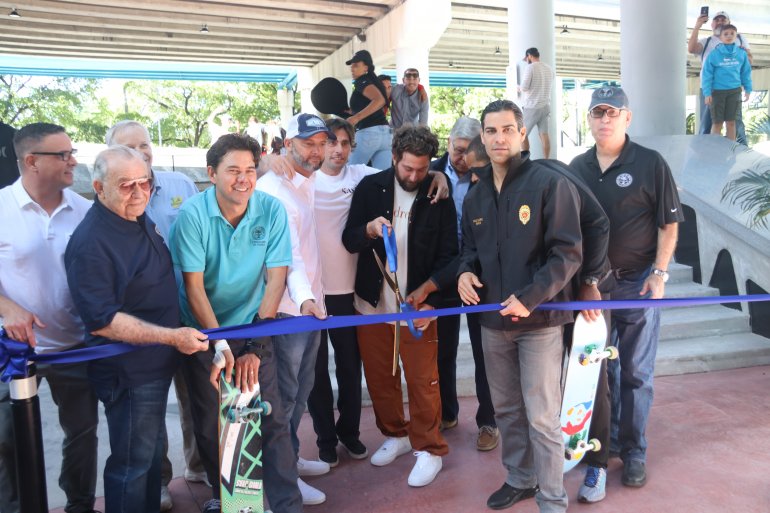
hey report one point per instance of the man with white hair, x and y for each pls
(168, 192)
(122, 283)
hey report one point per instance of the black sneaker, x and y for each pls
(507, 496)
(634, 473)
(329, 455)
(212, 506)
(356, 449)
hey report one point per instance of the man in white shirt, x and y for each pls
(296, 353)
(535, 88)
(39, 214)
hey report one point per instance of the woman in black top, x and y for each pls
(373, 135)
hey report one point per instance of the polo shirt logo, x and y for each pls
(524, 214)
(624, 180)
(176, 202)
(258, 236)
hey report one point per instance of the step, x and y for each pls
(703, 354)
(701, 321)
(679, 273)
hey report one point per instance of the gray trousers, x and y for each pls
(279, 463)
(524, 372)
(78, 416)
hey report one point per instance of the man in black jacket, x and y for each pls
(396, 200)
(521, 246)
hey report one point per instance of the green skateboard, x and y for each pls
(240, 448)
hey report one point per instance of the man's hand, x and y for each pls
(701, 20)
(247, 372)
(654, 286)
(707, 100)
(374, 227)
(215, 369)
(279, 164)
(439, 188)
(514, 308)
(422, 324)
(466, 287)
(590, 293)
(746, 96)
(310, 307)
(18, 323)
(421, 293)
(189, 340)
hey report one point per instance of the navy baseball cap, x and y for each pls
(609, 96)
(303, 126)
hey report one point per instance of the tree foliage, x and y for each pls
(449, 103)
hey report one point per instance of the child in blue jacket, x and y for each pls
(725, 70)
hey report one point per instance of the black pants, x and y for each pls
(600, 420)
(347, 360)
(279, 464)
(448, 341)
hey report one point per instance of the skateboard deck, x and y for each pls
(240, 448)
(583, 366)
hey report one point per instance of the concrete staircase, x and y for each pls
(692, 339)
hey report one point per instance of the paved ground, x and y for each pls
(708, 438)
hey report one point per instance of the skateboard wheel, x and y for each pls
(267, 408)
(613, 352)
(583, 359)
(569, 454)
(597, 445)
(232, 416)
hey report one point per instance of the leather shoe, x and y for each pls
(634, 473)
(507, 496)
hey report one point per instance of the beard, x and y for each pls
(304, 164)
(407, 186)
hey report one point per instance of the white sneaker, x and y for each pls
(312, 468)
(425, 470)
(165, 499)
(391, 449)
(310, 496)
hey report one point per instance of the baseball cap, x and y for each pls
(610, 96)
(303, 126)
(361, 56)
(722, 13)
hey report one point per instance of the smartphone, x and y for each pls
(704, 11)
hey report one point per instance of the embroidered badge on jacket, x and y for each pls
(524, 214)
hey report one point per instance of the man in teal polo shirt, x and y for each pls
(233, 247)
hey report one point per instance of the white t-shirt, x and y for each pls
(333, 195)
(32, 270)
(304, 279)
(402, 213)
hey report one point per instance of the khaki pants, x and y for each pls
(418, 357)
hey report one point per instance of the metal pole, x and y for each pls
(30, 460)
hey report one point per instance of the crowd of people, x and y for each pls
(152, 262)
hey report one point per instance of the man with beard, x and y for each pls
(396, 200)
(306, 140)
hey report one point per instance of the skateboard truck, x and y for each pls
(246, 414)
(593, 356)
(582, 447)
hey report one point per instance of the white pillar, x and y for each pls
(285, 105)
(305, 84)
(653, 64)
(413, 57)
(531, 24)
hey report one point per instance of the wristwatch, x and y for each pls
(591, 281)
(660, 272)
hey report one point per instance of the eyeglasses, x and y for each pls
(411, 75)
(64, 155)
(598, 113)
(128, 187)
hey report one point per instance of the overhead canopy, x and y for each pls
(279, 33)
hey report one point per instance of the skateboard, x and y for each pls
(583, 366)
(329, 96)
(240, 448)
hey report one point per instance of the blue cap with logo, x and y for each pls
(609, 96)
(303, 126)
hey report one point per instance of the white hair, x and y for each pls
(122, 125)
(106, 157)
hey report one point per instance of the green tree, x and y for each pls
(449, 103)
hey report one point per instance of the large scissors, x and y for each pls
(392, 254)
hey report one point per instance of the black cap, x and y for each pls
(361, 56)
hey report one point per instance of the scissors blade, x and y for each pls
(384, 272)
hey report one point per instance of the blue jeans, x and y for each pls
(295, 354)
(134, 419)
(373, 144)
(524, 372)
(705, 120)
(635, 333)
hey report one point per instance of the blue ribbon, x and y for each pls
(391, 251)
(14, 355)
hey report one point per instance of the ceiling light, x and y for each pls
(14, 13)
(497, 51)
(565, 30)
(451, 64)
(204, 29)
(600, 57)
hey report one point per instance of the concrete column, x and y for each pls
(413, 57)
(305, 84)
(531, 24)
(653, 64)
(286, 105)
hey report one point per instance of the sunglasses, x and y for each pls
(64, 155)
(598, 112)
(128, 187)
